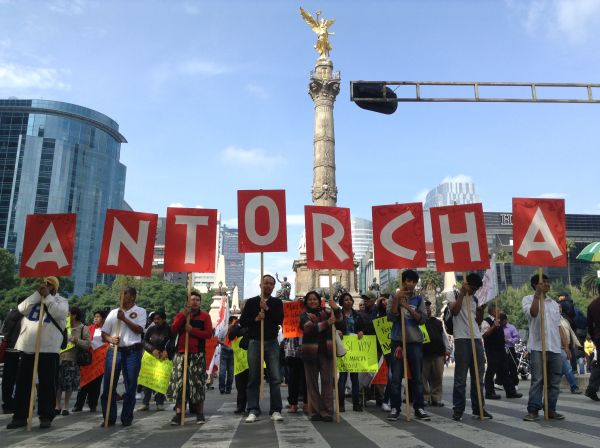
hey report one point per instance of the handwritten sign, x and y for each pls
(291, 319)
(155, 373)
(383, 330)
(240, 357)
(361, 355)
(89, 373)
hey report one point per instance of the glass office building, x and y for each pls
(234, 260)
(58, 157)
(450, 193)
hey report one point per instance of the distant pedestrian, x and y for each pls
(593, 318)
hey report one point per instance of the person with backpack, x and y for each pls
(434, 353)
(415, 314)
(463, 353)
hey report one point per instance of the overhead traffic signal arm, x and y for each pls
(382, 96)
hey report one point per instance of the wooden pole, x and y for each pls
(334, 348)
(185, 356)
(114, 360)
(543, 336)
(475, 361)
(262, 330)
(405, 361)
(36, 360)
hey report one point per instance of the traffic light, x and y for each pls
(361, 90)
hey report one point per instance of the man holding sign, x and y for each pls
(555, 338)
(413, 306)
(270, 311)
(51, 339)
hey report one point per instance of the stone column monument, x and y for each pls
(323, 87)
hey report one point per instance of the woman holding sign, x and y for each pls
(199, 329)
(351, 323)
(317, 351)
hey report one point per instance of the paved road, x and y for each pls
(366, 430)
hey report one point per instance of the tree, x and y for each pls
(8, 265)
(431, 281)
(589, 281)
(503, 257)
(570, 247)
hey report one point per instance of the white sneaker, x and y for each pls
(275, 416)
(143, 407)
(139, 396)
(251, 418)
(385, 407)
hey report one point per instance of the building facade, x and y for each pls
(234, 260)
(450, 193)
(58, 157)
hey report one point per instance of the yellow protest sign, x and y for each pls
(383, 330)
(361, 355)
(240, 357)
(155, 373)
(70, 345)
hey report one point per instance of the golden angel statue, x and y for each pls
(320, 27)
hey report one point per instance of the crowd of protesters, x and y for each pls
(465, 334)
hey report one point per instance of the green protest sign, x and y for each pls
(383, 330)
(361, 355)
(155, 373)
(240, 357)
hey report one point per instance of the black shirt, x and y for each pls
(273, 318)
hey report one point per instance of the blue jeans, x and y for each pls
(463, 355)
(226, 370)
(567, 371)
(414, 357)
(555, 372)
(129, 363)
(342, 388)
(273, 371)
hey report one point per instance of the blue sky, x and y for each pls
(212, 97)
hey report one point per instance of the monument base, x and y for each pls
(310, 279)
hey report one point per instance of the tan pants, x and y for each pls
(319, 403)
(433, 373)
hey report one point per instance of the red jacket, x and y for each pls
(201, 330)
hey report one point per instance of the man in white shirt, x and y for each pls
(50, 345)
(128, 344)
(463, 353)
(555, 338)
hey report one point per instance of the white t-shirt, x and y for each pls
(460, 322)
(135, 314)
(97, 341)
(551, 324)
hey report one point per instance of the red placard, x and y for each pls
(291, 319)
(190, 240)
(539, 232)
(209, 349)
(459, 238)
(399, 236)
(262, 221)
(48, 245)
(382, 374)
(128, 243)
(328, 238)
(96, 368)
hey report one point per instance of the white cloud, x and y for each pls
(176, 205)
(574, 20)
(421, 195)
(461, 178)
(68, 7)
(196, 68)
(251, 157)
(13, 76)
(257, 91)
(553, 195)
(295, 220)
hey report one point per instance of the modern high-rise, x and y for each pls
(234, 260)
(58, 157)
(362, 244)
(459, 190)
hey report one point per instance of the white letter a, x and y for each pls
(56, 253)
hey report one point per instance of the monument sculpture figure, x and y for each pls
(286, 288)
(320, 27)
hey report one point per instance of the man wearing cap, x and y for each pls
(51, 339)
(128, 343)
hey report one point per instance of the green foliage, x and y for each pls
(7, 269)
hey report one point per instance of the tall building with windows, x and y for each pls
(58, 157)
(234, 260)
(458, 190)
(362, 245)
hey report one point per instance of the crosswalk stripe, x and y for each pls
(218, 431)
(477, 435)
(49, 438)
(297, 431)
(547, 430)
(131, 435)
(382, 433)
